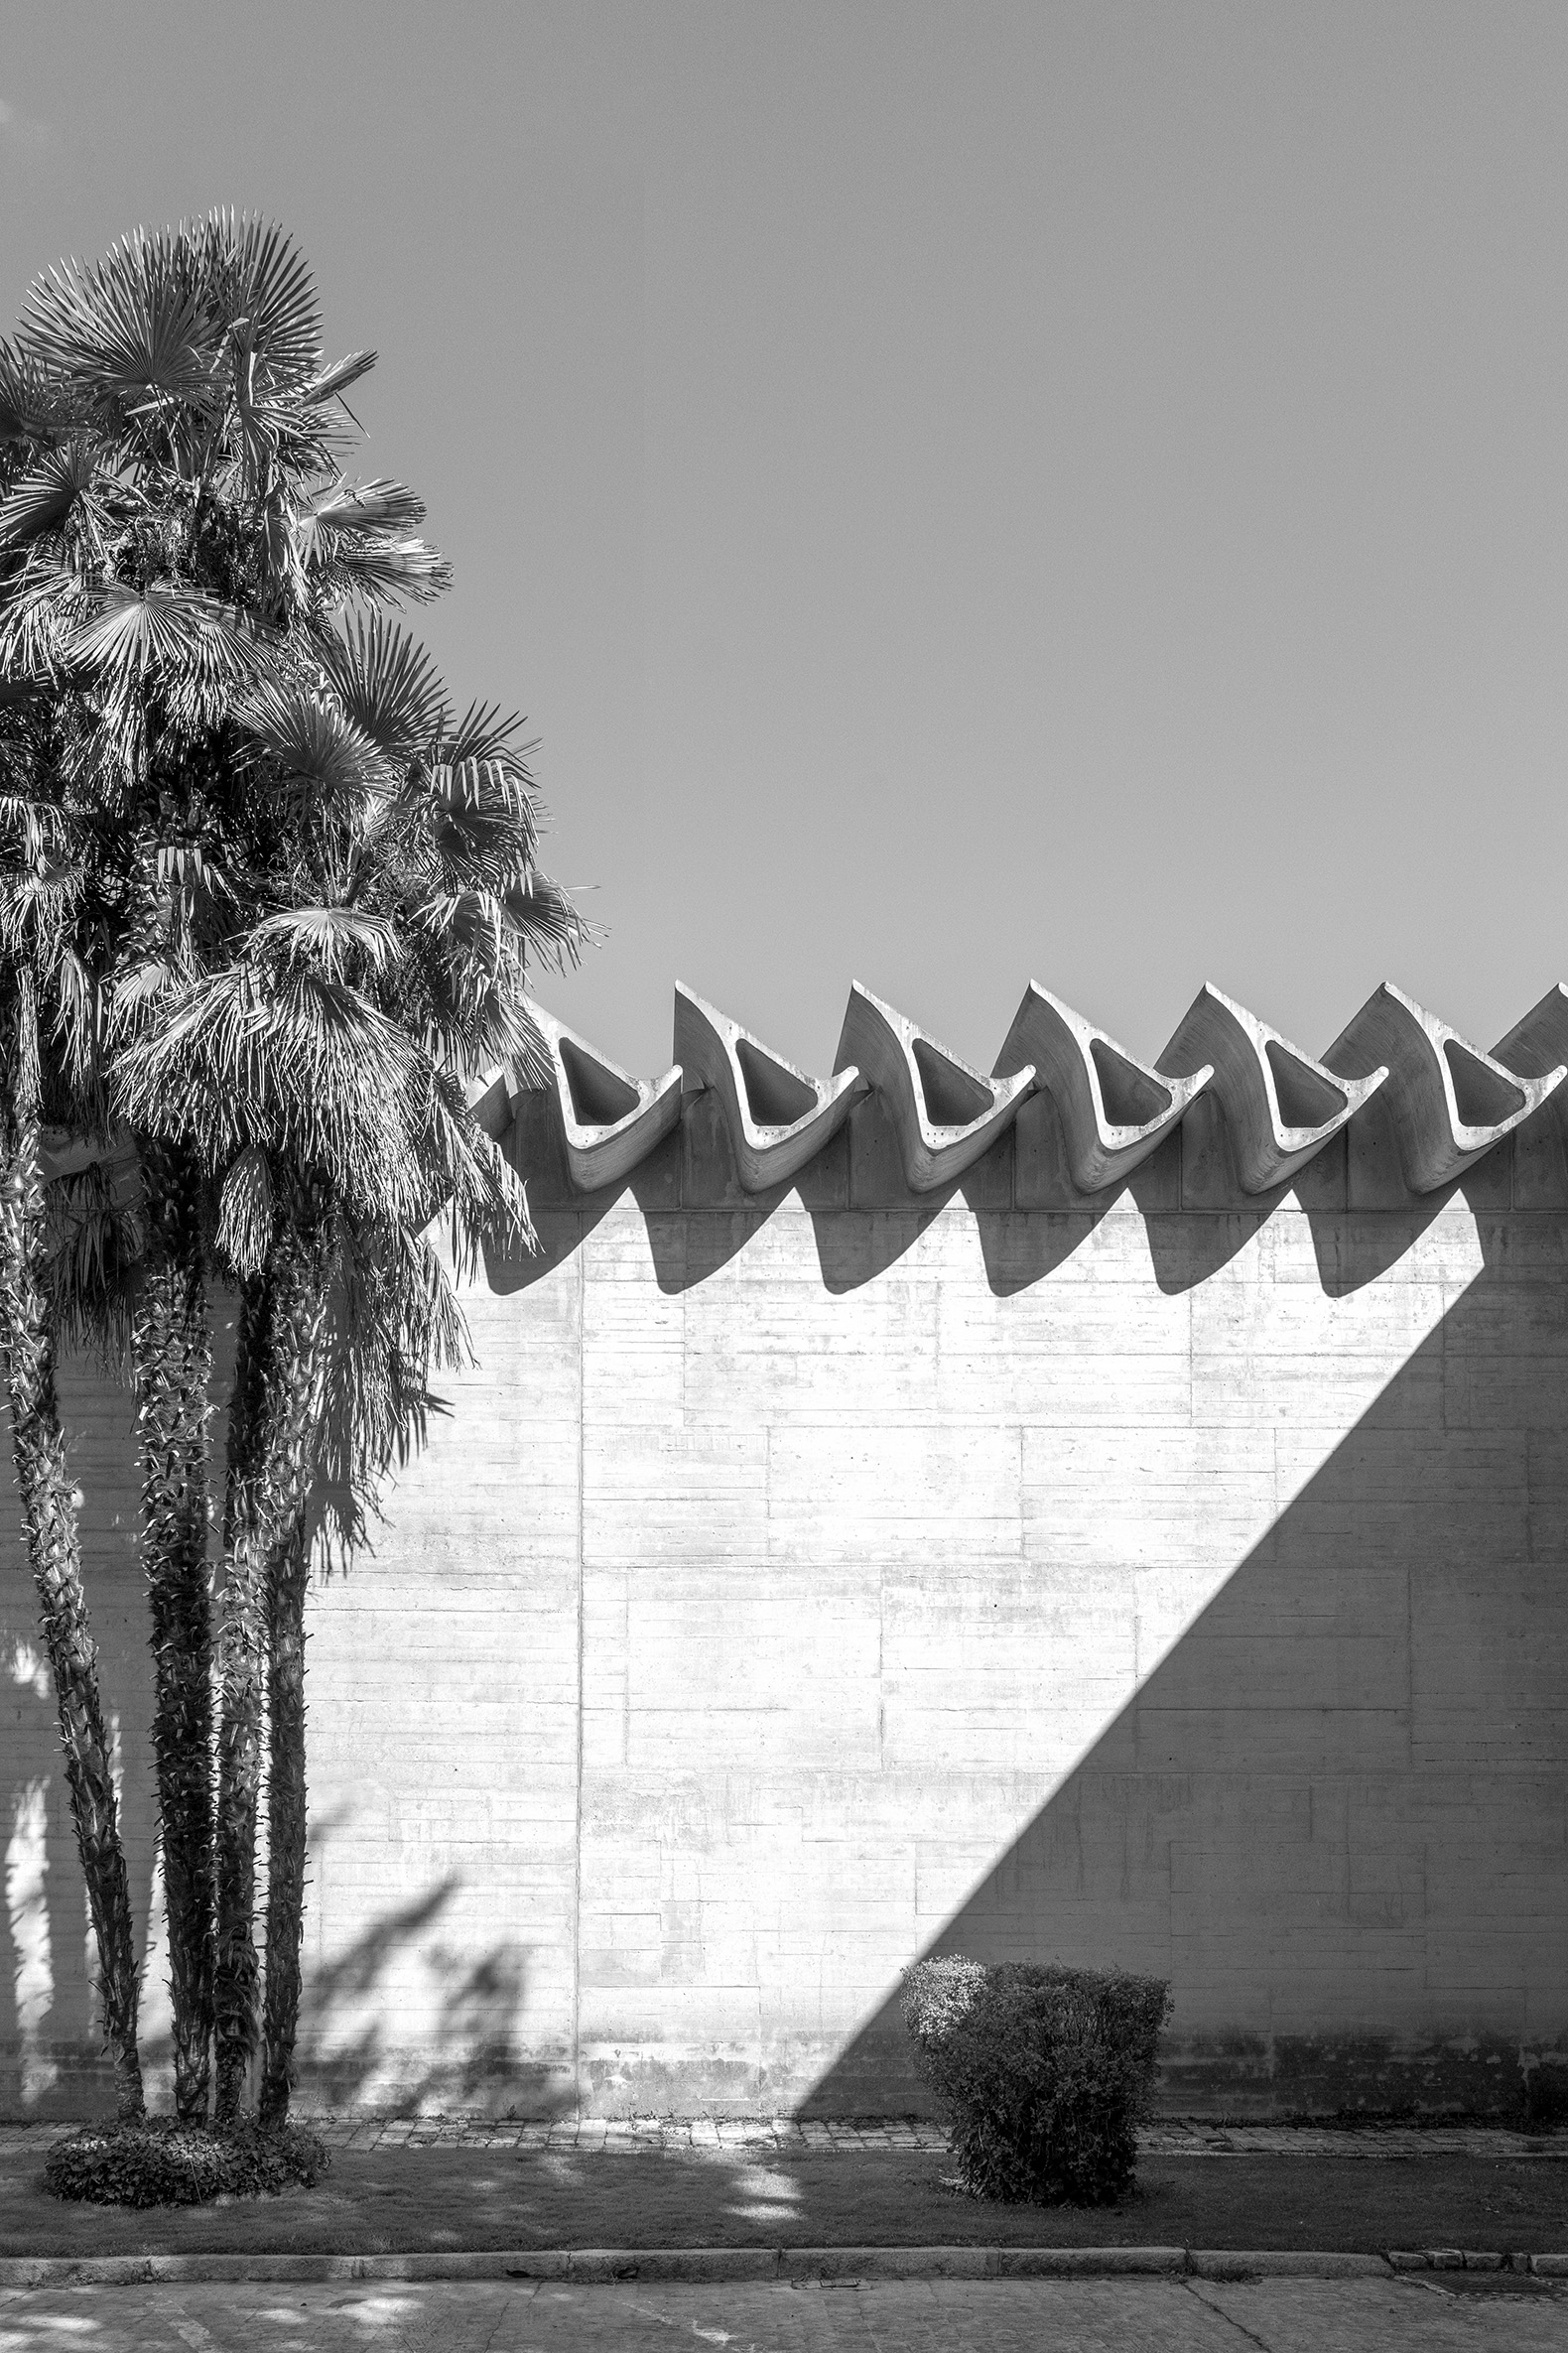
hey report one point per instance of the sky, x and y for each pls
(962, 493)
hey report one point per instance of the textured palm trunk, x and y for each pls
(48, 1523)
(277, 1401)
(241, 1640)
(286, 1821)
(172, 1348)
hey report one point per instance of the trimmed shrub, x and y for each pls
(159, 2161)
(1047, 2072)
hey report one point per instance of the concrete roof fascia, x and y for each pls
(605, 1152)
(768, 1153)
(1436, 1144)
(883, 1043)
(1060, 1044)
(1270, 1148)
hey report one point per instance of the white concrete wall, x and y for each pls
(797, 1586)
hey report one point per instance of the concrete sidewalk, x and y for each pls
(1389, 2316)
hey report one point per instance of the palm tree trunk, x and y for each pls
(172, 1348)
(49, 1522)
(241, 1637)
(286, 1822)
(278, 1402)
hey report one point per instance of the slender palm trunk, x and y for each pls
(48, 1520)
(172, 1348)
(278, 1402)
(241, 1641)
(286, 1821)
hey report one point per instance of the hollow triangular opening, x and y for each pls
(1305, 1099)
(1481, 1095)
(954, 1098)
(1131, 1097)
(775, 1097)
(600, 1097)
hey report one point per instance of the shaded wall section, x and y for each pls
(805, 1581)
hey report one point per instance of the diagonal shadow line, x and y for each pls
(1331, 1814)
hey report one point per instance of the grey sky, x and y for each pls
(961, 492)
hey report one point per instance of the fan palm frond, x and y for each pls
(312, 736)
(387, 684)
(29, 398)
(43, 603)
(128, 632)
(126, 331)
(256, 278)
(43, 499)
(296, 1061)
(479, 810)
(332, 938)
(376, 505)
(484, 734)
(545, 918)
(380, 569)
(332, 382)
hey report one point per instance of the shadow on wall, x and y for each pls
(1339, 1802)
(469, 2009)
(48, 2006)
(466, 2053)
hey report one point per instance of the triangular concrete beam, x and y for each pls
(1280, 1105)
(779, 1118)
(945, 1114)
(610, 1121)
(1450, 1103)
(1114, 1109)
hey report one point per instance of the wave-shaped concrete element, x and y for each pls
(1449, 1101)
(610, 1119)
(1114, 1109)
(493, 1101)
(1280, 1105)
(1536, 1046)
(944, 1113)
(778, 1116)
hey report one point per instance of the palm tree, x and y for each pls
(172, 507)
(322, 1071)
(48, 993)
(334, 889)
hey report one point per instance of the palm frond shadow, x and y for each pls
(471, 2055)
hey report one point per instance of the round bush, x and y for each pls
(1047, 2072)
(158, 2161)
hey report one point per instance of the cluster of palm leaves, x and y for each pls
(267, 903)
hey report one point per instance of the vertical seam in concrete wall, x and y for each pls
(577, 1834)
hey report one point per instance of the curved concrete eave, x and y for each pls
(609, 1120)
(1075, 1061)
(752, 1083)
(908, 1068)
(1450, 1103)
(1272, 1136)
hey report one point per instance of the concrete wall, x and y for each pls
(802, 1582)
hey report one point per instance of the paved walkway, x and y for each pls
(925, 2317)
(673, 2136)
